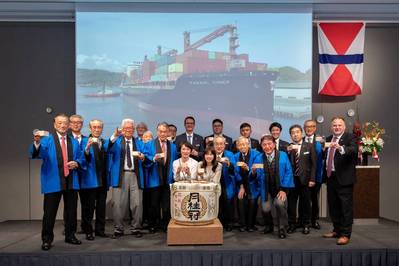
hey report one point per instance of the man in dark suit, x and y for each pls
(340, 174)
(275, 129)
(245, 131)
(194, 139)
(304, 163)
(217, 127)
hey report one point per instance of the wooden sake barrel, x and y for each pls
(195, 202)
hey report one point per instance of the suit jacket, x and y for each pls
(155, 170)
(116, 161)
(229, 142)
(52, 171)
(307, 163)
(282, 145)
(254, 145)
(284, 177)
(198, 144)
(345, 164)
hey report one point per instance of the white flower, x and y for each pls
(367, 141)
(380, 142)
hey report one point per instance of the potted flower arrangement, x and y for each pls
(372, 139)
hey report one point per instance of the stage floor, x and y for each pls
(22, 238)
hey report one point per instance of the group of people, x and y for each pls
(281, 178)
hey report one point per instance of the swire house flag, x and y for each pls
(341, 48)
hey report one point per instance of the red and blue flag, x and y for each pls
(341, 56)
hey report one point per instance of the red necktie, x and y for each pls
(64, 156)
(331, 153)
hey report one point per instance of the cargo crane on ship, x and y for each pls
(233, 39)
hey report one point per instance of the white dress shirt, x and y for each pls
(342, 151)
(190, 137)
(309, 139)
(77, 137)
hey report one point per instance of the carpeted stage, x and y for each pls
(370, 245)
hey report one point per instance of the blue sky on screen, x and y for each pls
(111, 41)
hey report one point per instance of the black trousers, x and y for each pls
(301, 192)
(314, 202)
(159, 199)
(340, 206)
(226, 209)
(93, 199)
(51, 202)
(146, 204)
(246, 211)
(314, 199)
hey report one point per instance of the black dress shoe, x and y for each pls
(46, 246)
(316, 225)
(306, 230)
(250, 229)
(229, 228)
(117, 234)
(241, 229)
(73, 240)
(152, 230)
(137, 233)
(291, 229)
(268, 230)
(90, 237)
(281, 233)
(101, 234)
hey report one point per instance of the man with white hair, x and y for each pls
(248, 180)
(126, 177)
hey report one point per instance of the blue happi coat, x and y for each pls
(89, 178)
(284, 171)
(253, 180)
(116, 153)
(154, 178)
(51, 176)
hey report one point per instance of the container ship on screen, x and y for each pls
(202, 80)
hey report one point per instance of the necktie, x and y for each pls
(163, 146)
(64, 156)
(128, 154)
(269, 159)
(189, 138)
(297, 163)
(77, 139)
(331, 153)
